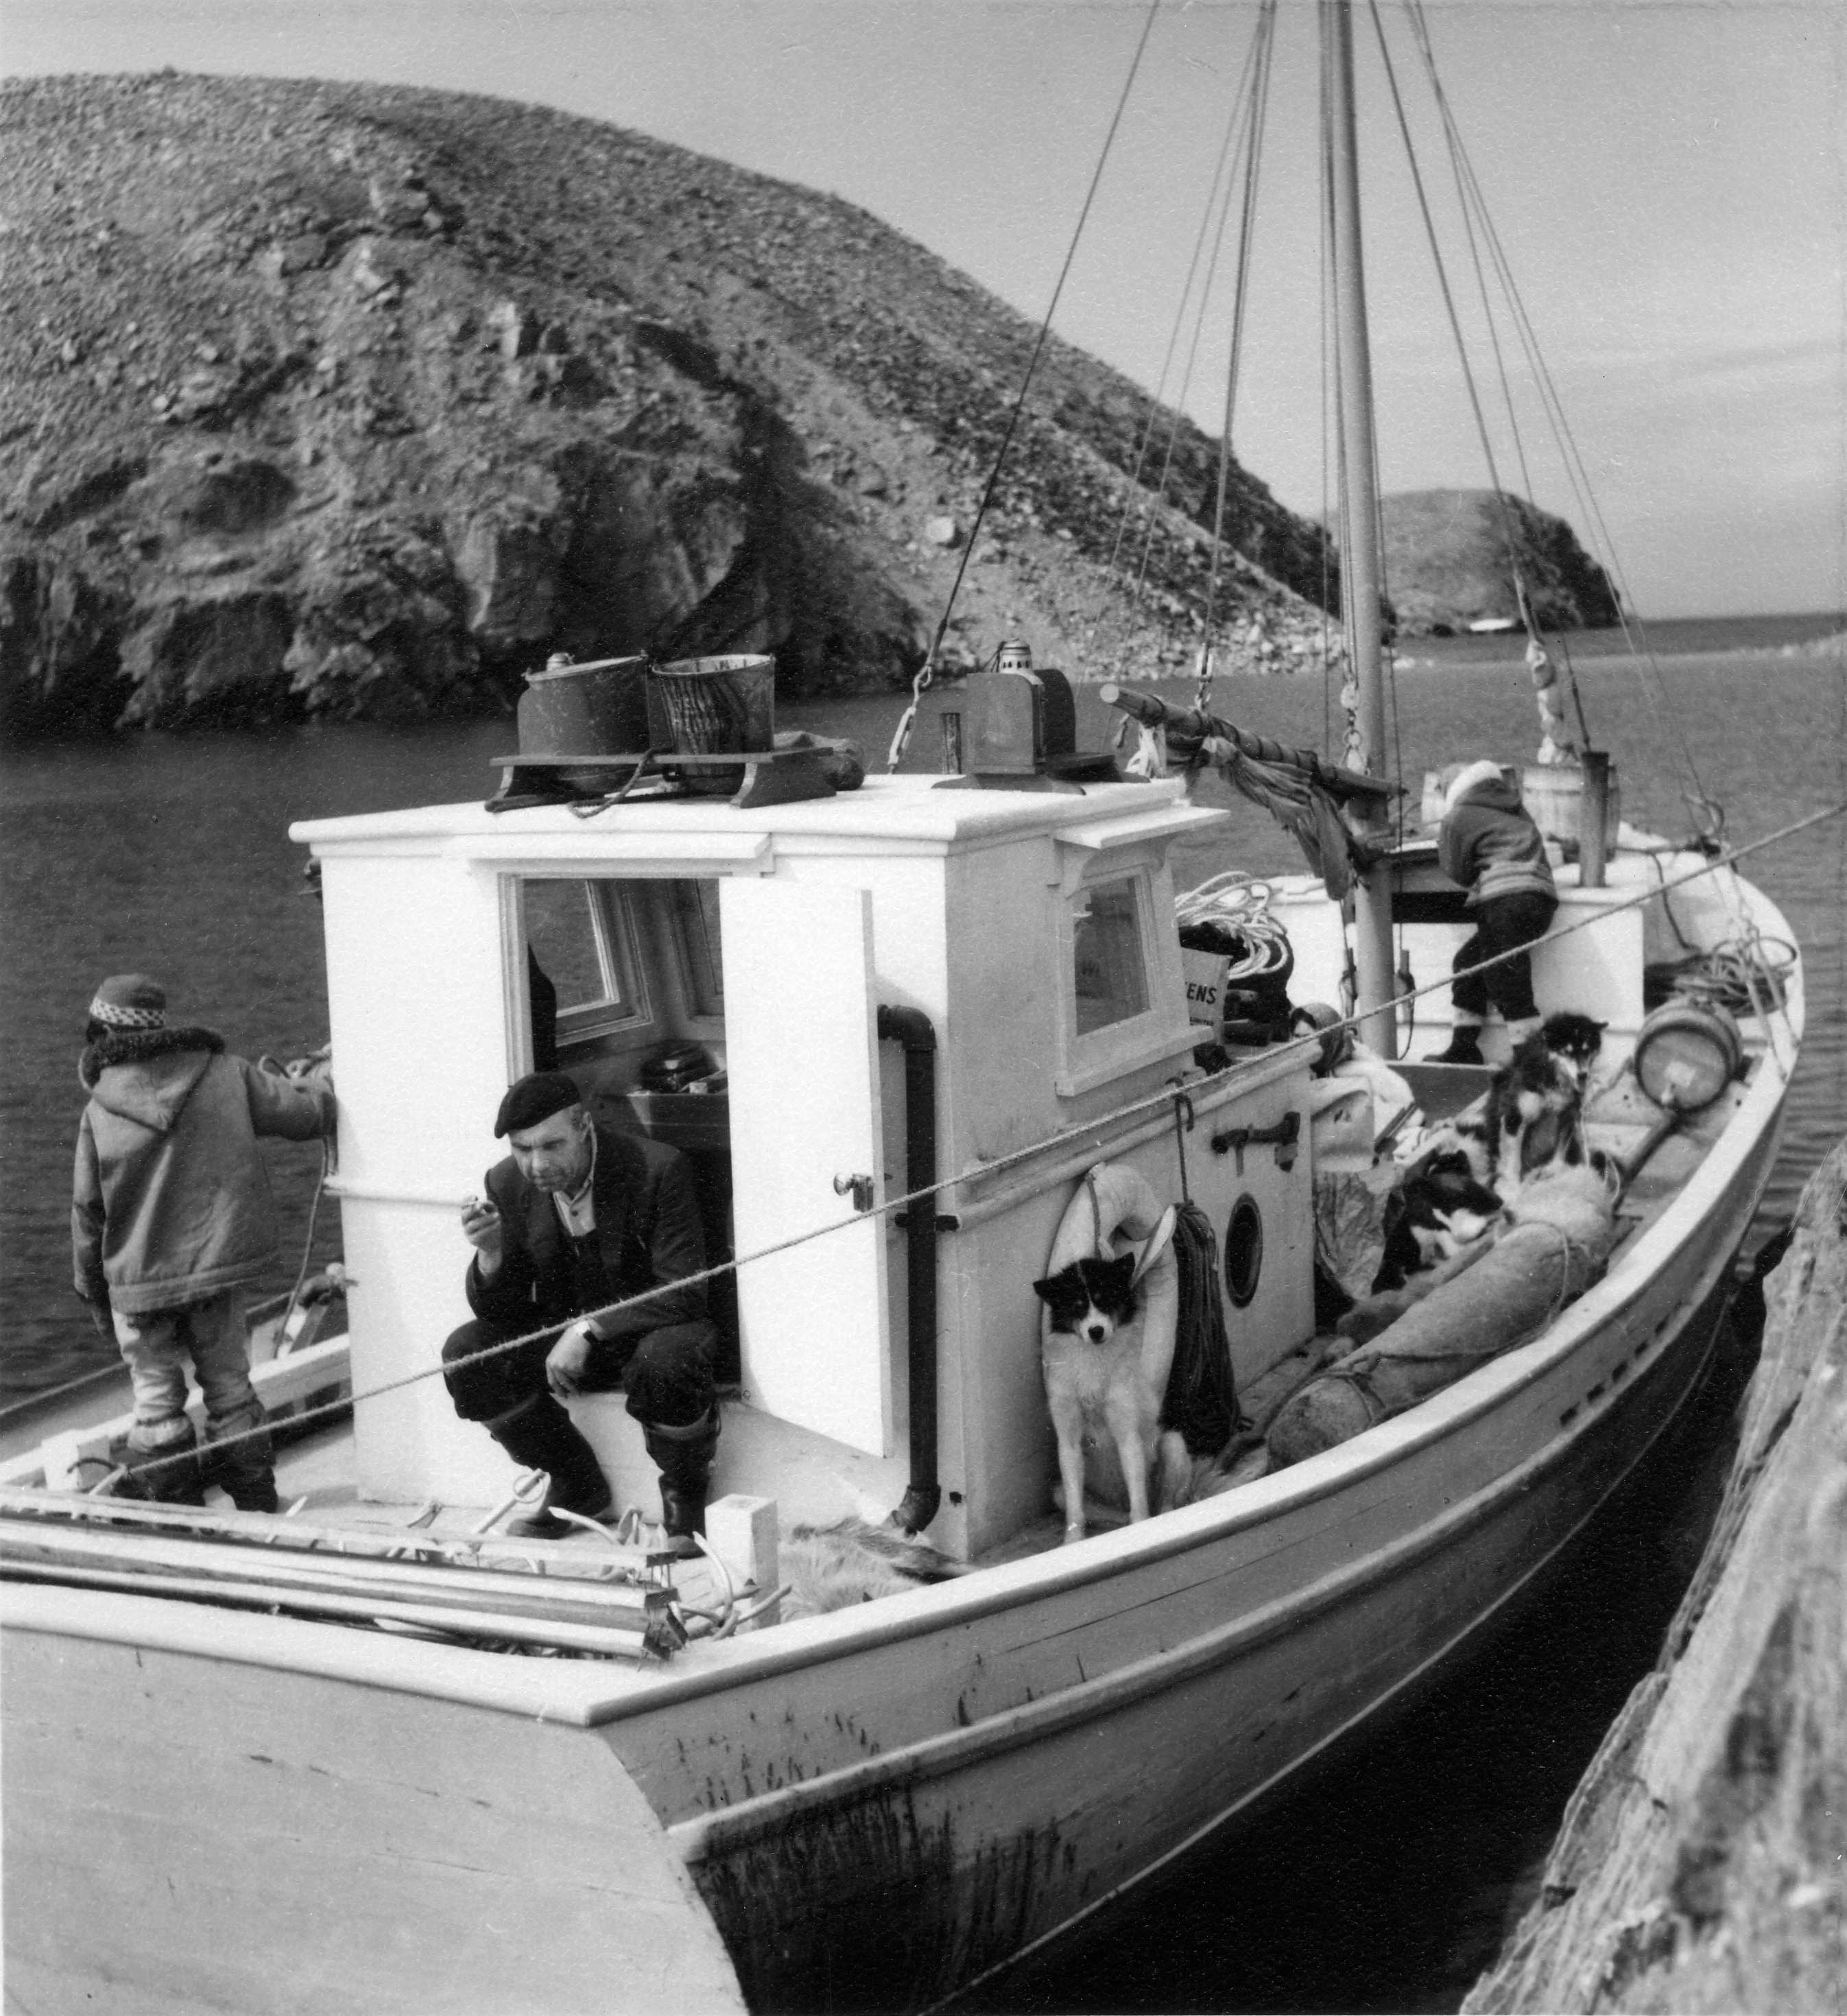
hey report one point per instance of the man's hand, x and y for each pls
(481, 1225)
(567, 1360)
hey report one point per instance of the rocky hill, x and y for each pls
(359, 401)
(1447, 564)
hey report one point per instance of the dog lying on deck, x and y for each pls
(1103, 1394)
(1441, 1207)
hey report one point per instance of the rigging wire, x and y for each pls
(1472, 203)
(1233, 124)
(1329, 394)
(1709, 815)
(1503, 510)
(925, 672)
(1265, 39)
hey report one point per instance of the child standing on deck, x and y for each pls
(1489, 844)
(171, 1220)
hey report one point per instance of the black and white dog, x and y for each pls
(1533, 1118)
(1102, 1388)
(1441, 1207)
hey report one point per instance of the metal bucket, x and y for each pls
(1686, 1053)
(714, 707)
(597, 709)
(1553, 794)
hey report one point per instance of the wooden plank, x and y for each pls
(184, 1833)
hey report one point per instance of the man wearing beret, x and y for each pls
(579, 1217)
(171, 1220)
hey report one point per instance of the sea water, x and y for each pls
(170, 856)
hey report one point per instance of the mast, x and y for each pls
(1360, 585)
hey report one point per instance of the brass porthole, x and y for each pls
(1244, 1250)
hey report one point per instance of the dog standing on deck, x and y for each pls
(1105, 1377)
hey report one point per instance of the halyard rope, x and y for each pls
(925, 672)
(1091, 1131)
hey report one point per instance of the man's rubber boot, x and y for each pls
(245, 1468)
(684, 1457)
(539, 1435)
(172, 1449)
(1465, 1046)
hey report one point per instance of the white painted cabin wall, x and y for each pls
(1003, 979)
(407, 906)
(414, 999)
(1596, 971)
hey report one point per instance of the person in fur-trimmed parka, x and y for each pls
(1488, 844)
(171, 1220)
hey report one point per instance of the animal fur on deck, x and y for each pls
(831, 1568)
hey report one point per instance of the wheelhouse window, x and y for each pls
(1109, 959)
(580, 936)
(1123, 1002)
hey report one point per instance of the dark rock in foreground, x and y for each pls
(1700, 1864)
(1448, 565)
(359, 402)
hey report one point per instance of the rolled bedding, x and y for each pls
(1498, 1294)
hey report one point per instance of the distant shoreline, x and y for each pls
(1817, 652)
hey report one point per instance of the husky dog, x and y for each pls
(1441, 1207)
(1533, 1116)
(1097, 1389)
(1576, 1039)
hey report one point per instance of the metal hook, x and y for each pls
(1185, 1119)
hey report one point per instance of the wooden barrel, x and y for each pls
(1686, 1053)
(1553, 794)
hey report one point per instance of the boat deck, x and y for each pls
(314, 1472)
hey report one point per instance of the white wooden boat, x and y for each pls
(915, 1790)
(245, 1772)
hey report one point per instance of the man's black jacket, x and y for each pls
(647, 1233)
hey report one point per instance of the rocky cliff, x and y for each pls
(358, 402)
(1447, 564)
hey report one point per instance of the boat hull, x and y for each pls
(880, 1806)
(1156, 1708)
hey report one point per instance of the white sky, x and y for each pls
(1669, 180)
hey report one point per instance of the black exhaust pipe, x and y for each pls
(911, 1027)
